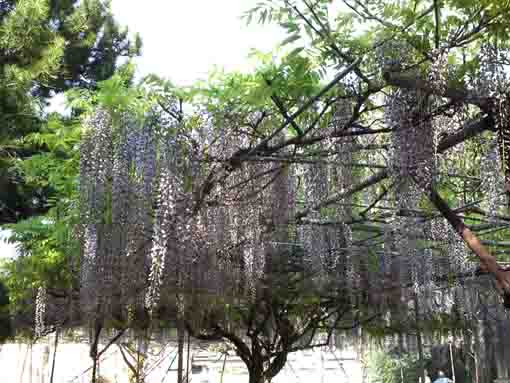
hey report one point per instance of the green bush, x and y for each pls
(384, 367)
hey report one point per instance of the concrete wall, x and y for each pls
(21, 363)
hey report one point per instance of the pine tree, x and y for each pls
(47, 47)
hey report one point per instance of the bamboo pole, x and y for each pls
(54, 355)
(187, 360)
(453, 364)
(223, 367)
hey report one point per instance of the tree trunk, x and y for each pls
(256, 375)
(93, 349)
(256, 364)
(94, 370)
(93, 356)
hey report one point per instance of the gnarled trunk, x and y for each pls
(256, 375)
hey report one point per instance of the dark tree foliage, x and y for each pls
(92, 53)
(5, 322)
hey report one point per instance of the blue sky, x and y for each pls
(184, 39)
(6, 250)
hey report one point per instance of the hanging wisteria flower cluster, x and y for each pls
(494, 83)
(492, 181)
(438, 75)
(412, 166)
(40, 311)
(144, 239)
(173, 210)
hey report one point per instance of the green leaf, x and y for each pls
(291, 39)
(296, 51)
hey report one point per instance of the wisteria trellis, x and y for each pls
(167, 211)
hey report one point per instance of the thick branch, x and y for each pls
(325, 34)
(262, 147)
(277, 364)
(308, 104)
(128, 363)
(410, 81)
(471, 130)
(219, 334)
(487, 260)
(112, 341)
(93, 348)
(437, 16)
(376, 178)
(283, 111)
